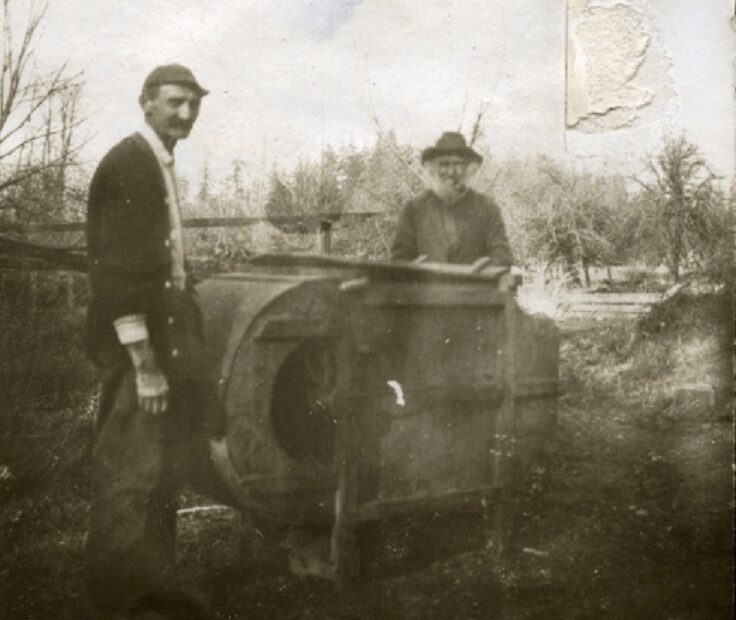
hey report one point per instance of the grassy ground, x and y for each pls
(634, 519)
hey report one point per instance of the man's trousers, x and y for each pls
(140, 462)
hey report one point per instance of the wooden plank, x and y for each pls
(310, 218)
(383, 271)
(207, 222)
(600, 316)
(50, 227)
(470, 500)
(619, 308)
(25, 264)
(64, 257)
(247, 276)
(572, 326)
(424, 294)
(611, 298)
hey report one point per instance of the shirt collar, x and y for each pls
(164, 157)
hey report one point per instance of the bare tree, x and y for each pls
(561, 218)
(683, 208)
(477, 131)
(39, 113)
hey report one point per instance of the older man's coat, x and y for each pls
(460, 233)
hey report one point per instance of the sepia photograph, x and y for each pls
(367, 309)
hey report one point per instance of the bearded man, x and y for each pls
(450, 222)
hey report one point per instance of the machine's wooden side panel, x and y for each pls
(430, 357)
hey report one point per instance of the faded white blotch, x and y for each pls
(398, 390)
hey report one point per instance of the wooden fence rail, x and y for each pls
(57, 257)
(585, 308)
(307, 220)
(59, 271)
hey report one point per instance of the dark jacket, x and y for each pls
(129, 255)
(462, 233)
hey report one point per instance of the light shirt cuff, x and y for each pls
(131, 328)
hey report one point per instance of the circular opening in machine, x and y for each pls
(301, 403)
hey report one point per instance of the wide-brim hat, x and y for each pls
(173, 74)
(451, 143)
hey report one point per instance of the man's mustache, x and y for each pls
(455, 183)
(180, 125)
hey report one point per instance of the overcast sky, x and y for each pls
(287, 76)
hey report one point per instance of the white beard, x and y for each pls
(447, 190)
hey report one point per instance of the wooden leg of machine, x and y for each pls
(503, 515)
(505, 437)
(504, 477)
(505, 512)
(345, 555)
(344, 552)
(501, 524)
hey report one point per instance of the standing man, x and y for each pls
(157, 411)
(450, 222)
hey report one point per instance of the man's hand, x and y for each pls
(153, 390)
(150, 382)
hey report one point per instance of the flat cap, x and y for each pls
(173, 74)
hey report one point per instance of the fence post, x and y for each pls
(325, 236)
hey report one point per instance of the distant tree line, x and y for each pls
(378, 178)
(674, 212)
